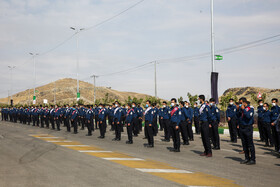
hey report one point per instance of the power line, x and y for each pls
(120, 13)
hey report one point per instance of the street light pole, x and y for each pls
(212, 37)
(34, 74)
(155, 79)
(77, 31)
(11, 69)
(94, 82)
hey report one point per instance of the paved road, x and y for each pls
(32, 156)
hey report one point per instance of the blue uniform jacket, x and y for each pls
(117, 114)
(231, 111)
(196, 111)
(175, 118)
(260, 112)
(214, 114)
(275, 111)
(101, 114)
(247, 117)
(130, 114)
(266, 116)
(204, 113)
(149, 115)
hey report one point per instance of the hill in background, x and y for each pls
(65, 92)
(249, 91)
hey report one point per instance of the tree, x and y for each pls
(80, 102)
(224, 100)
(180, 99)
(192, 98)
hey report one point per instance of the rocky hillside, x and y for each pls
(247, 91)
(64, 90)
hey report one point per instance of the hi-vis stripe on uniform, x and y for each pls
(152, 167)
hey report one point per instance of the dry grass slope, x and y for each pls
(65, 92)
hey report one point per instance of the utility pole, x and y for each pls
(155, 63)
(94, 82)
(34, 74)
(11, 68)
(77, 31)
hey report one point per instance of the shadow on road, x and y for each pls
(197, 152)
(235, 159)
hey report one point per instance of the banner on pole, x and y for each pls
(214, 86)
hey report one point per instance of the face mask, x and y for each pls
(116, 105)
(264, 108)
(231, 103)
(195, 106)
(261, 104)
(211, 104)
(274, 104)
(187, 106)
(164, 106)
(126, 107)
(147, 105)
(172, 104)
(100, 107)
(133, 106)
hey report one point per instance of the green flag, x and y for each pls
(78, 95)
(34, 97)
(218, 57)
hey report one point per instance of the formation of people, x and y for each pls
(175, 120)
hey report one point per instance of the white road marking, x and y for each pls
(162, 170)
(58, 141)
(123, 159)
(89, 151)
(48, 137)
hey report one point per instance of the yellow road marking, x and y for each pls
(196, 179)
(109, 155)
(148, 166)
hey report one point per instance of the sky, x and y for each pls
(155, 30)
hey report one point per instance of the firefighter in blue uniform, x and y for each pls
(260, 119)
(140, 116)
(74, 119)
(101, 120)
(189, 119)
(165, 117)
(183, 123)
(117, 121)
(155, 119)
(148, 124)
(135, 121)
(266, 126)
(130, 116)
(275, 111)
(204, 117)
(96, 111)
(174, 125)
(231, 118)
(214, 124)
(196, 118)
(46, 117)
(57, 113)
(246, 131)
(88, 117)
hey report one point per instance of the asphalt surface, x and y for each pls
(29, 161)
